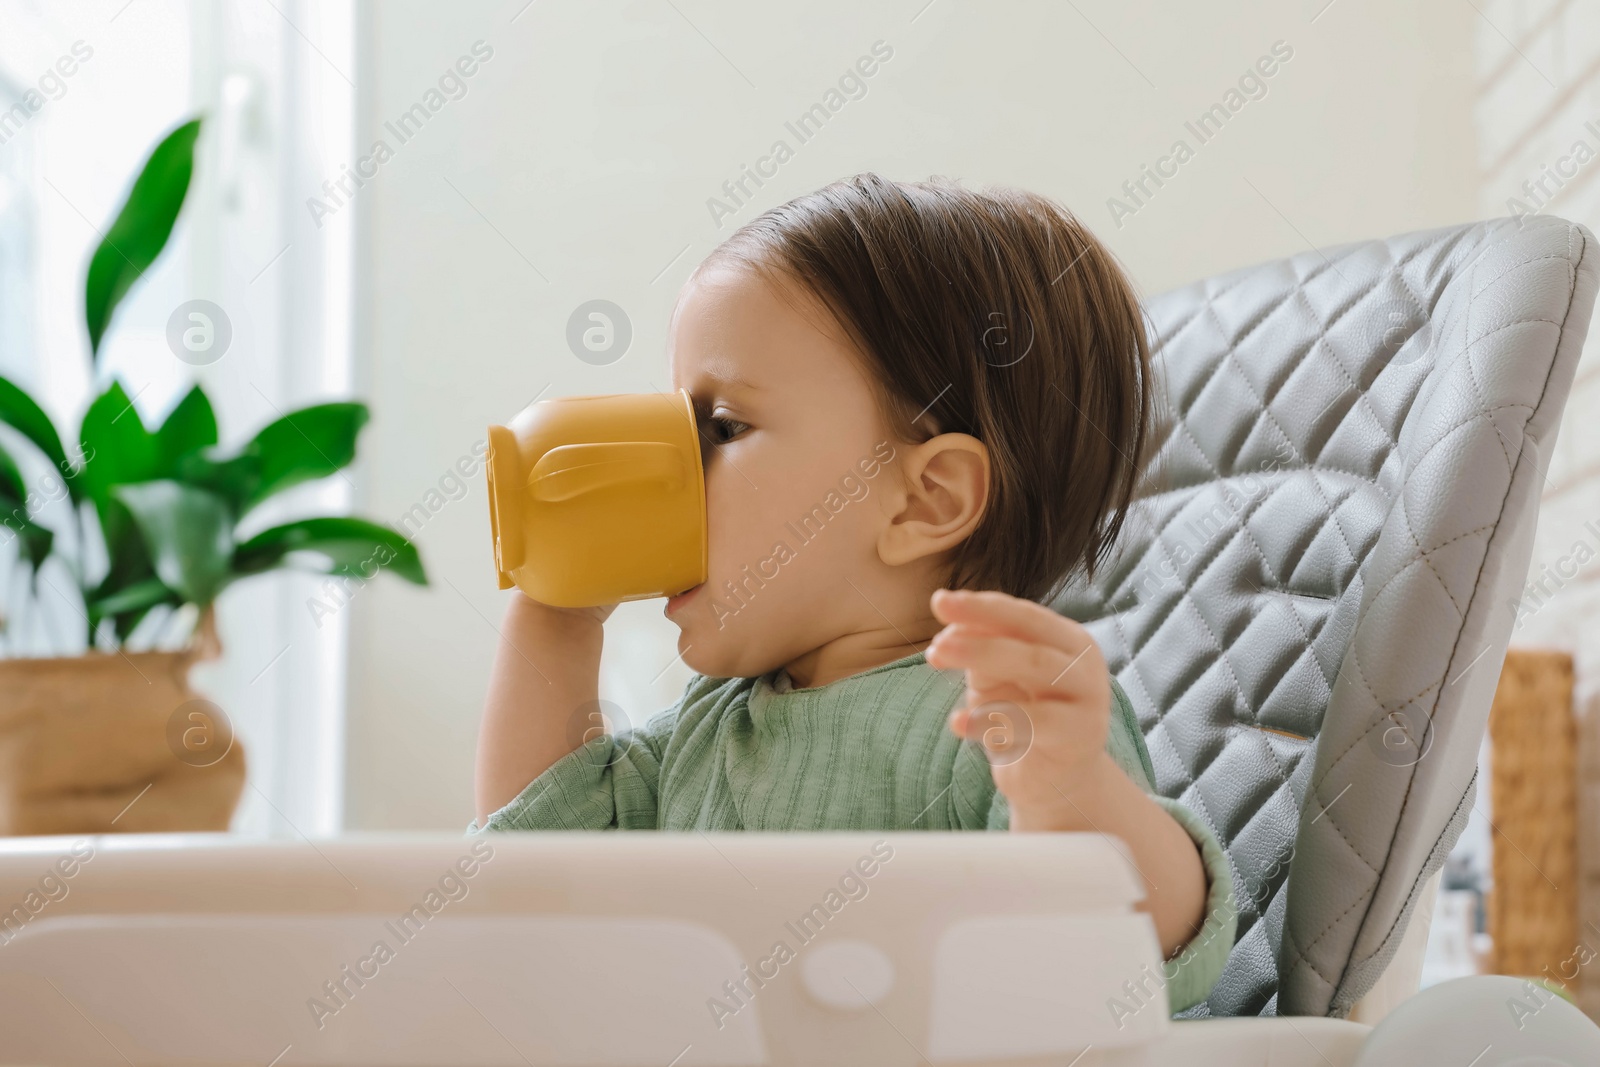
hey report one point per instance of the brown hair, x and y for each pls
(996, 314)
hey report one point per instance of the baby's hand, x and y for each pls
(1039, 698)
(1038, 694)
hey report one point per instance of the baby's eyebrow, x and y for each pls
(730, 380)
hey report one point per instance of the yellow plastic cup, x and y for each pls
(599, 499)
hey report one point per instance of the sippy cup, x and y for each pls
(598, 499)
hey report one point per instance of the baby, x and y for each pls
(922, 409)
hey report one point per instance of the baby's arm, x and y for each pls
(1103, 799)
(546, 678)
(1039, 698)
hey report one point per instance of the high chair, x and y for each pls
(1309, 609)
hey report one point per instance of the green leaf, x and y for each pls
(189, 533)
(124, 624)
(129, 561)
(36, 542)
(190, 427)
(18, 410)
(130, 569)
(141, 229)
(121, 451)
(354, 548)
(304, 445)
(36, 539)
(11, 484)
(141, 596)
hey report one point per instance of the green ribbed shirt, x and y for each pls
(869, 752)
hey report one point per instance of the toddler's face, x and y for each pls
(800, 475)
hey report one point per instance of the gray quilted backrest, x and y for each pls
(1311, 605)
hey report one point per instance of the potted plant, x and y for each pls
(158, 525)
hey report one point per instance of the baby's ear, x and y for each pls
(942, 495)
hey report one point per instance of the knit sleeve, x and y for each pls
(1193, 971)
(608, 783)
(1125, 741)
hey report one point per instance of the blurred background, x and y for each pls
(447, 211)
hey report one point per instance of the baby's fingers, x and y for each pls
(1002, 613)
(992, 658)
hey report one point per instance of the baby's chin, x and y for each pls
(708, 661)
(722, 654)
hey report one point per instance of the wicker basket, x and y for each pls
(113, 742)
(1533, 908)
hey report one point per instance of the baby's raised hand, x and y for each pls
(1038, 696)
(1039, 699)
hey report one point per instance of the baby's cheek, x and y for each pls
(732, 532)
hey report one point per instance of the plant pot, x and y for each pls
(113, 742)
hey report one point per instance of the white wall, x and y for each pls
(579, 164)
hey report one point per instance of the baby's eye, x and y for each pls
(719, 430)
